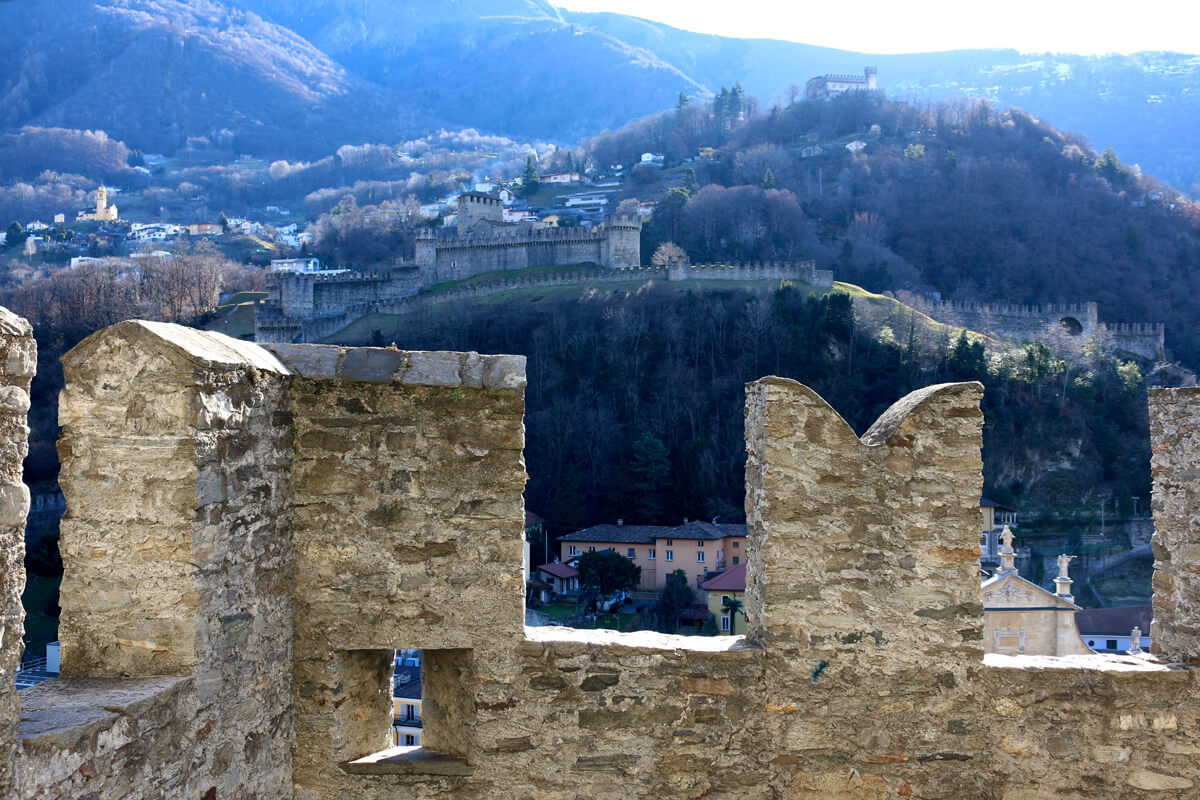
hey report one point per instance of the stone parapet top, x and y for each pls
(645, 640)
(69, 712)
(413, 368)
(1099, 662)
(208, 349)
(13, 324)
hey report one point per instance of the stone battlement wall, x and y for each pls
(1143, 339)
(18, 362)
(272, 325)
(251, 531)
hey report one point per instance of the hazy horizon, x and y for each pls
(927, 25)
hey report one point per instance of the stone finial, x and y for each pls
(1062, 583)
(1135, 641)
(1007, 554)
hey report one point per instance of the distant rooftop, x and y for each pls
(559, 570)
(731, 580)
(1119, 620)
(646, 534)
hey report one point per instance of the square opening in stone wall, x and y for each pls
(406, 699)
(415, 703)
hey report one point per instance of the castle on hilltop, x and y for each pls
(826, 87)
(484, 242)
(300, 301)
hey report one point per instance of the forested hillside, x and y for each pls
(165, 75)
(634, 404)
(959, 201)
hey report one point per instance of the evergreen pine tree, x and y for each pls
(529, 178)
(649, 472)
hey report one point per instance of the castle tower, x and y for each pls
(101, 201)
(871, 74)
(426, 255)
(622, 245)
(475, 207)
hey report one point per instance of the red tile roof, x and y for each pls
(731, 580)
(560, 570)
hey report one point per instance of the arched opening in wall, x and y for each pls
(1072, 326)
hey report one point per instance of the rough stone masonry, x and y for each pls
(251, 532)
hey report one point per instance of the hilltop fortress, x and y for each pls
(484, 242)
(244, 552)
(299, 301)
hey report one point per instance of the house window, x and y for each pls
(700, 556)
(650, 554)
(631, 553)
(1110, 644)
(736, 544)
(670, 555)
(725, 622)
(669, 543)
(591, 549)
(699, 543)
(735, 561)
(571, 551)
(724, 599)
(409, 740)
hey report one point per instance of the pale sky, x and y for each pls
(872, 26)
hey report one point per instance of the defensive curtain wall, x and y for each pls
(271, 324)
(615, 245)
(251, 530)
(308, 295)
(1145, 340)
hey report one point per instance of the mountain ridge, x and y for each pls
(287, 79)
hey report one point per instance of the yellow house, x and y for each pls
(718, 591)
(635, 542)
(697, 548)
(406, 699)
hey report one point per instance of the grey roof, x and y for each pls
(625, 534)
(707, 530)
(1116, 621)
(646, 534)
(406, 683)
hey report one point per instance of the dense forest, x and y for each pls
(957, 201)
(634, 405)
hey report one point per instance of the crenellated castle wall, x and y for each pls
(1020, 321)
(1143, 339)
(614, 245)
(261, 527)
(271, 325)
(307, 295)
